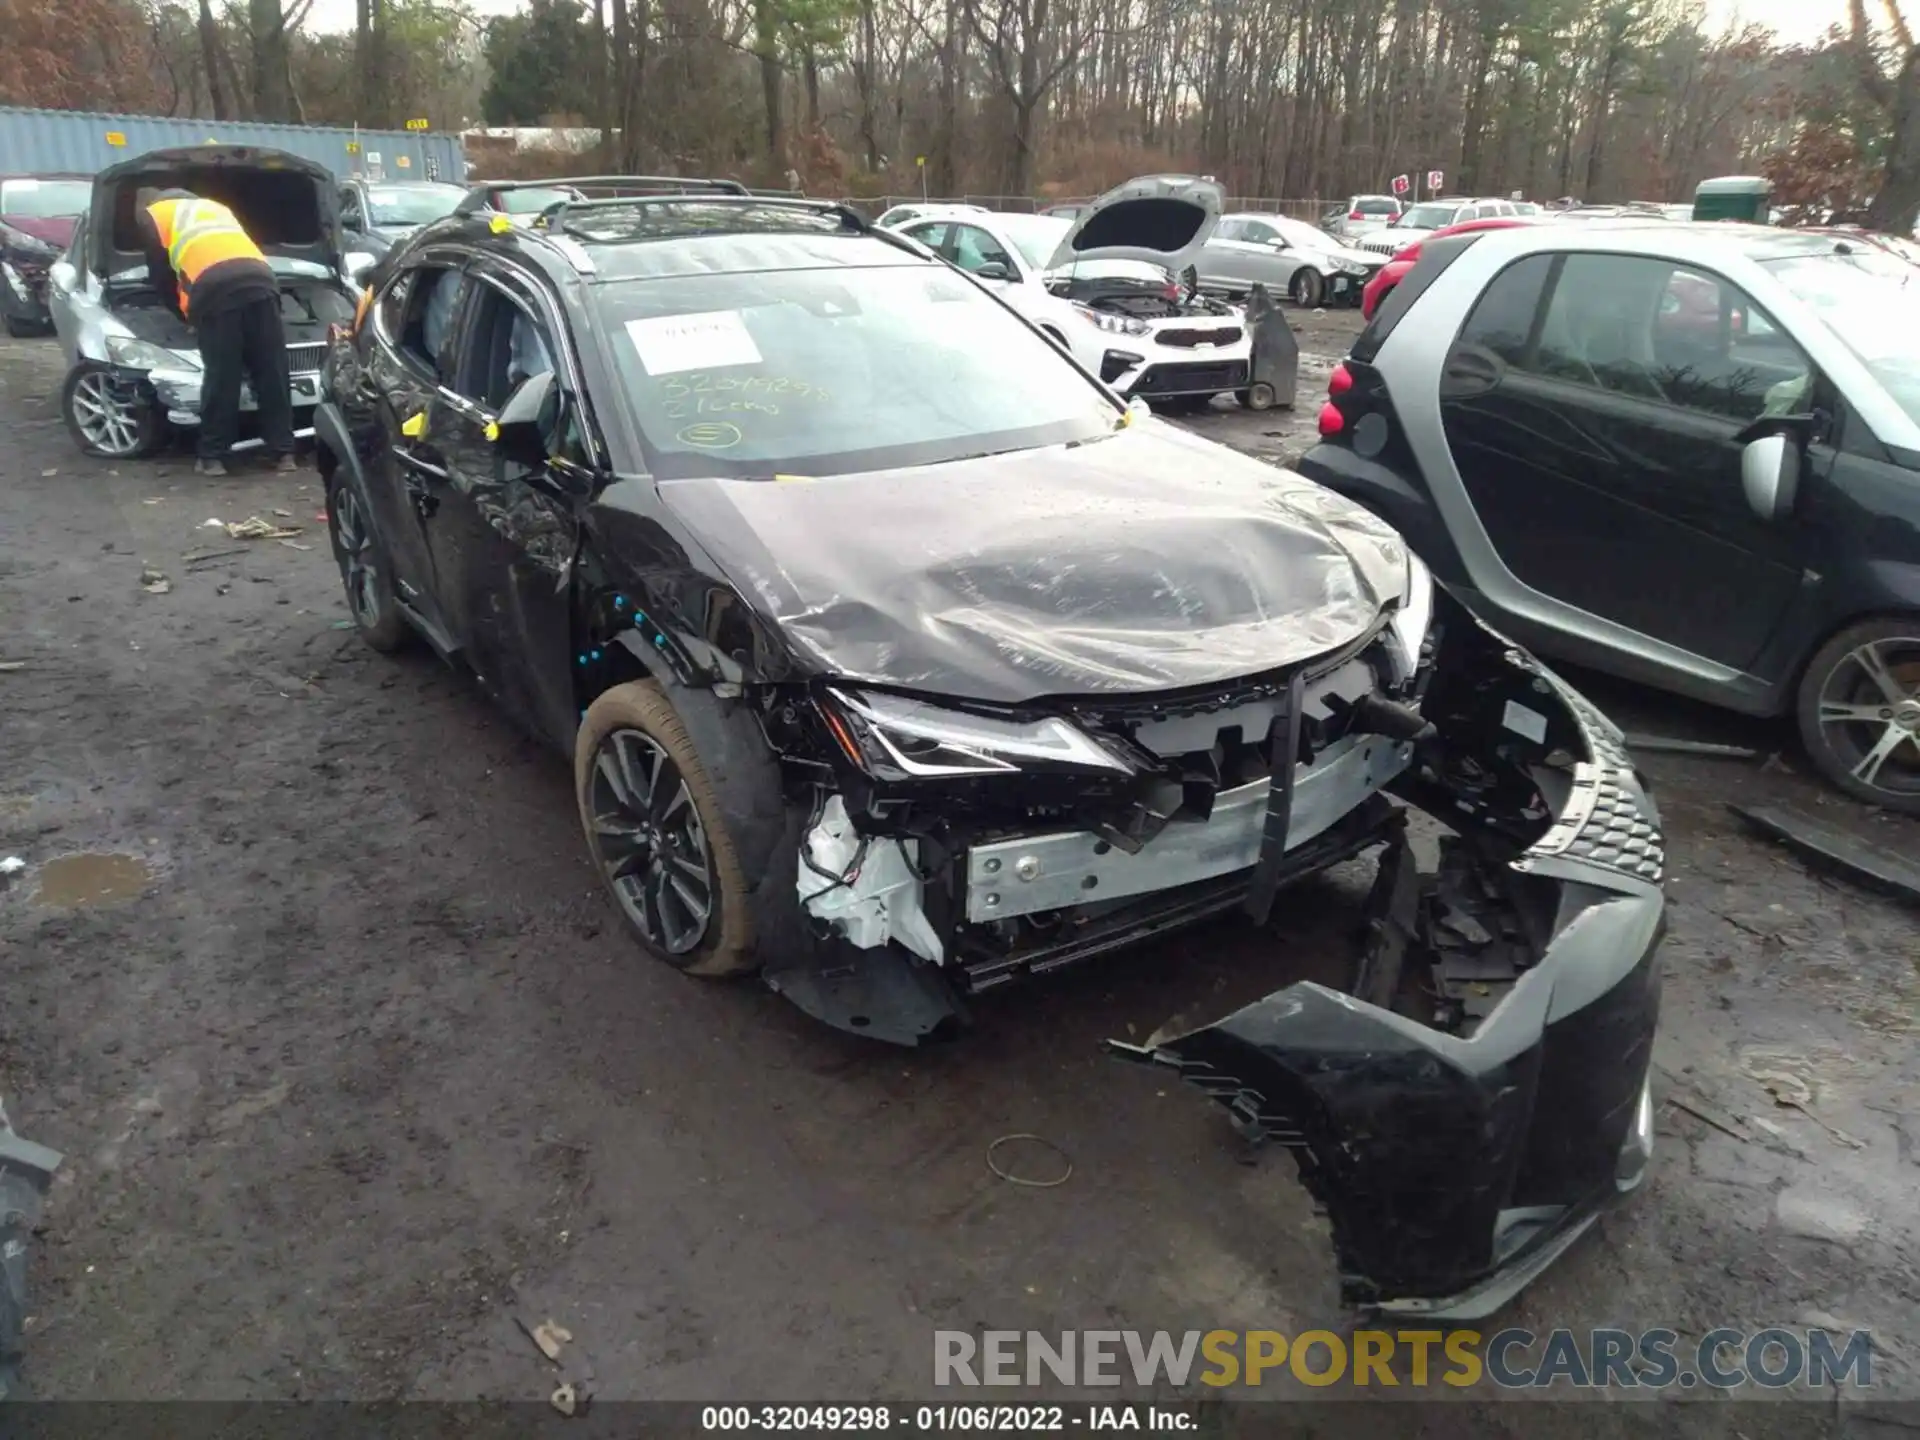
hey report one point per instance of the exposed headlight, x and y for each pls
(913, 738)
(145, 355)
(1350, 267)
(1411, 621)
(1112, 324)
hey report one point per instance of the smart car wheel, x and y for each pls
(1859, 711)
(1307, 289)
(656, 829)
(364, 573)
(107, 417)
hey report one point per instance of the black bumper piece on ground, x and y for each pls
(1455, 1167)
(26, 1170)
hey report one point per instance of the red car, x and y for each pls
(1391, 273)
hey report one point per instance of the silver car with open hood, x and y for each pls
(133, 366)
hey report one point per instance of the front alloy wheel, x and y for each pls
(657, 828)
(106, 415)
(1860, 712)
(1308, 289)
(650, 843)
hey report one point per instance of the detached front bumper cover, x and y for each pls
(26, 1170)
(1455, 1167)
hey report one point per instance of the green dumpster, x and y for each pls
(1734, 197)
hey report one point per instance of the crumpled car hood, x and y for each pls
(56, 230)
(1151, 560)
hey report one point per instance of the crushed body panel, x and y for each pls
(1458, 1155)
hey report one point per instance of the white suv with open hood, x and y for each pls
(1112, 283)
(133, 366)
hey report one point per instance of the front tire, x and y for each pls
(658, 834)
(1307, 289)
(1859, 712)
(102, 422)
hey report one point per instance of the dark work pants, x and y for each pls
(248, 339)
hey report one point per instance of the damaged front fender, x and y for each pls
(1464, 1122)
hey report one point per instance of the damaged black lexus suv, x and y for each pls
(899, 660)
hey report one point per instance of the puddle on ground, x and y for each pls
(75, 881)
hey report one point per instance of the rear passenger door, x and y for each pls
(406, 390)
(1593, 405)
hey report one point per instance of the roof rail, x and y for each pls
(676, 184)
(554, 218)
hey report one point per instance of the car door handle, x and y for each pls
(418, 462)
(1470, 372)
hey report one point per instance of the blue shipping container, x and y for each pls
(81, 142)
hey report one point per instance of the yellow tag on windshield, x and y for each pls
(493, 431)
(500, 224)
(414, 426)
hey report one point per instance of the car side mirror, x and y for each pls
(993, 270)
(529, 420)
(1770, 475)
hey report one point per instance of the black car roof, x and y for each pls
(593, 250)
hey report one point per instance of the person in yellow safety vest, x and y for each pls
(209, 272)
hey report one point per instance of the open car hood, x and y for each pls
(285, 202)
(1161, 219)
(1147, 561)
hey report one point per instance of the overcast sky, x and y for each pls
(1794, 20)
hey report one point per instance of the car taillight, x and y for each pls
(1356, 215)
(1332, 422)
(1340, 381)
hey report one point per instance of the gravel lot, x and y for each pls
(353, 1067)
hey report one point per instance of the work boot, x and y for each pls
(204, 466)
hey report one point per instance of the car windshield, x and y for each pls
(1870, 301)
(412, 204)
(1036, 237)
(1301, 235)
(45, 199)
(831, 371)
(1428, 217)
(533, 201)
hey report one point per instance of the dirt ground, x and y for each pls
(354, 1069)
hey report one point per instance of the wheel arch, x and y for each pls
(1819, 639)
(618, 642)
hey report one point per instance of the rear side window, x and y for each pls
(1378, 207)
(1435, 257)
(1502, 322)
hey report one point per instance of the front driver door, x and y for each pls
(1593, 405)
(504, 536)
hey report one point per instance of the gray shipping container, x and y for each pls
(81, 142)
